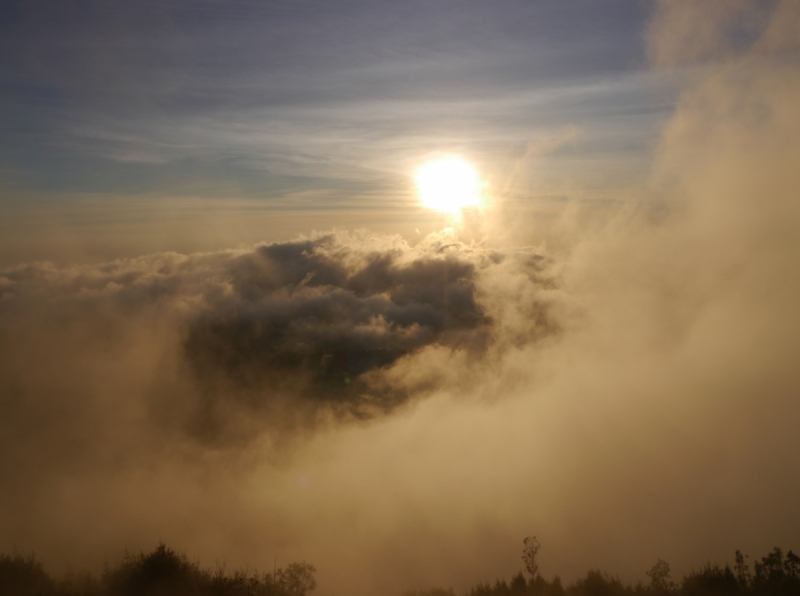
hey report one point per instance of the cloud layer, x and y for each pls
(303, 329)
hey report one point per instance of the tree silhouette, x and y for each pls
(529, 552)
(776, 575)
(660, 579)
(742, 571)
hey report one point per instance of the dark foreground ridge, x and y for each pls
(162, 572)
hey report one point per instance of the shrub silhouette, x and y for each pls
(710, 580)
(431, 592)
(775, 575)
(23, 576)
(81, 584)
(162, 572)
(541, 587)
(597, 583)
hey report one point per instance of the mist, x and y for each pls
(622, 383)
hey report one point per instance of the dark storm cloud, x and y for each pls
(305, 328)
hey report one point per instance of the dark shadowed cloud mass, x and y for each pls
(301, 322)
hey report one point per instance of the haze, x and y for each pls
(229, 322)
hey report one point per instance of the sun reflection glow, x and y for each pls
(448, 184)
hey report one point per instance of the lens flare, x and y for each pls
(448, 184)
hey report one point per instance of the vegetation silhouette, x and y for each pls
(162, 572)
(23, 576)
(775, 574)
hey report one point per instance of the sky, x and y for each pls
(205, 125)
(227, 320)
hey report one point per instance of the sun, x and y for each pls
(448, 184)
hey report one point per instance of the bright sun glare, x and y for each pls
(448, 184)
